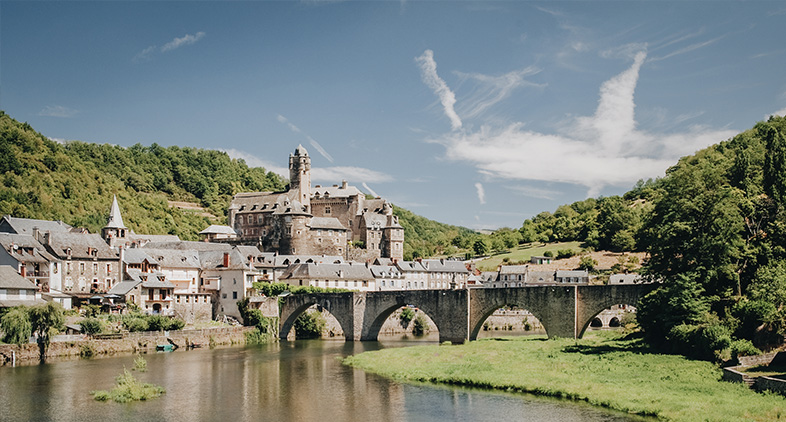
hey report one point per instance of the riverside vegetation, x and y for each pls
(603, 369)
(128, 388)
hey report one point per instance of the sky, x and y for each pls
(479, 114)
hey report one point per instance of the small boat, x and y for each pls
(165, 348)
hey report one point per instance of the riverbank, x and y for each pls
(603, 369)
(138, 342)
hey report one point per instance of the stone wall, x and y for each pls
(268, 305)
(140, 342)
(765, 359)
(771, 384)
(193, 307)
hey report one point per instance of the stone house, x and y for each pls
(88, 264)
(577, 276)
(218, 233)
(180, 267)
(322, 220)
(228, 278)
(415, 275)
(446, 273)
(31, 260)
(148, 290)
(387, 277)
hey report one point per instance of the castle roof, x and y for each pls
(219, 229)
(330, 223)
(300, 150)
(335, 191)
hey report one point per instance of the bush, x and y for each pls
(565, 253)
(420, 326)
(406, 315)
(309, 325)
(91, 326)
(91, 311)
(706, 341)
(743, 348)
(133, 323)
(162, 323)
(587, 263)
(548, 254)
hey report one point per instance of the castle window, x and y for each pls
(327, 209)
(259, 219)
(240, 219)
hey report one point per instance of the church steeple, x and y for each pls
(115, 231)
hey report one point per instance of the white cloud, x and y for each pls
(184, 40)
(481, 193)
(687, 49)
(428, 69)
(593, 151)
(351, 174)
(58, 111)
(145, 54)
(493, 89)
(319, 148)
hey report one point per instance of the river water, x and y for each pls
(288, 381)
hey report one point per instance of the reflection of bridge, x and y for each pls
(564, 311)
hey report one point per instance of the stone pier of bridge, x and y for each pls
(563, 310)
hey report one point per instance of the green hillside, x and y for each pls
(75, 182)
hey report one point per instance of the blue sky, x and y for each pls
(478, 114)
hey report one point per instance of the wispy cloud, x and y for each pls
(481, 193)
(533, 192)
(369, 190)
(311, 140)
(428, 69)
(254, 161)
(551, 12)
(594, 151)
(493, 89)
(351, 174)
(687, 49)
(188, 39)
(58, 111)
(184, 40)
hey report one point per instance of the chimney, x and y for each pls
(343, 184)
(24, 271)
(226, 259)
(35, 233)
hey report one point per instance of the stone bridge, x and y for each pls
(564, 311)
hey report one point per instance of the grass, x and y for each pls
(524, 253)
(602, 369)
(766, 370)
(128, 388)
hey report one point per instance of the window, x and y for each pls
(81, 268)
(95, 267)
(163, 294)
(109, 268)
(240, 219)
(327, 210)
(234, 295)
(150, 294)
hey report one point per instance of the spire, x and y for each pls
(115, 219)
(300, 150)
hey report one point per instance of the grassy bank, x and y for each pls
(602, 369)
(524, 253)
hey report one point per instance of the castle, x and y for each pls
(336, 220)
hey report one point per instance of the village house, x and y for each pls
(576, 276)
(228, 278)
(387, 277)
(148, 290)
(31, 260)
(445, 273)
(88, 264)
(347, 275)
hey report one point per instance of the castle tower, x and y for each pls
(115, 232)
(300, 176)
(392, 235)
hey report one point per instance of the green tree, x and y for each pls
(46, 320)
(16, 326)
(481, 247)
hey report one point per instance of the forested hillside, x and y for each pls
(75, 182)
(424, 238)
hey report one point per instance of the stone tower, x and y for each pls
(392, 235)
(115, 233)
(300, 176)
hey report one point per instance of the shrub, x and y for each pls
(743, 348)
(309, 325)
(133, 323)
(565, 253)
(157, 323)
(91, 326)
(128, 388)
(91, 311)
(406, 315)
(420, 326)
(587, 263)
(86, 350)
(548, 254)
(176, 324)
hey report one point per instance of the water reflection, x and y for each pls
(289, 381)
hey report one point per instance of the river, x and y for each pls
(288, 381)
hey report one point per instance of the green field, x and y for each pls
(602, 369)
(524, 253)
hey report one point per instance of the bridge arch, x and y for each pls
(592, 300)
(445, 309)
(476, 328)
(338, 304)
(541, 301)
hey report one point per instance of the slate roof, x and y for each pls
(24, 248)
(284, 260)
(259, 201)
(374, 220)
(444, 265)
(160, 238)
(219, 229)
(345, 271)
(385, 271)
(10, 279)
(137, 256)
(79, 243)
(115, 220)
(625, 278)
(488, 276)
(540, 277)
(215, 259)
(189, 245)
(334, 192)
(174, 258)
(124, 287)
(574, 273)
(330, 223)
(410, 266)
(252, 255)
(25, 225)
(513, 269)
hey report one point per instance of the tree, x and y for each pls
(46, 320)
(481, 247)
(587, 263)
(16, 326)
